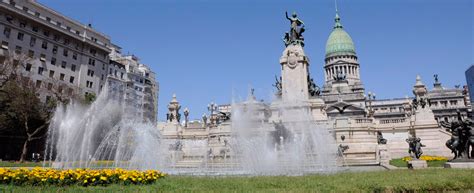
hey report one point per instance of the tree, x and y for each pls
(21, 109)
(24, 110)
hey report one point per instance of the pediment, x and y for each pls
(343, 107)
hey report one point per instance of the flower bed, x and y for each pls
(427, 158)
(84, 177)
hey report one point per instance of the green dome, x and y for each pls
(339, 42)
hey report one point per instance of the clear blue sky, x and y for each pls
(214, 50)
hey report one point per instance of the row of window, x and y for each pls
(51, 73)
(49, 86)
(56, 37)
(44, 44)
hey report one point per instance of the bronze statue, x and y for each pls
(341, 149)
(380, 139)
(313, 89)
(339, 76)
(295, 35)
(414, 146)
(278, 85)
(462, 137)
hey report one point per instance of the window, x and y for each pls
(44, 45)
(89, 84)
(18, 49)
(38, 83)
(66, 41)
(102, 77)
(4, 45)
(23, 23)
(32, 41)
(48, 19)
(121, 75)
(50, 86)
(453, 103)
(43, 57)
(56, 37)
(93, 51)
(35, 28)
(28, 67)
(31, 53)
(20, 36)
(37, 14)
(53, 61)
(7, 32)
(69, 91)
(110, 70)
(90, 73)
(63, 64)
(73, 67)
(40, 70)
(61, 76)
(46, 33)
(91, 62)
(65, 53)
(55, 49)
(51, 73)
(71, 79)
(25, 8)
(74, 55)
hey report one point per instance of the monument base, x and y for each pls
(417, 164)
(464, 165)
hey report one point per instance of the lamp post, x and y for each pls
(371, 98)
(186, 114)
(212, 107)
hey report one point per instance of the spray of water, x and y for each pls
(280, 138)
(108, 133)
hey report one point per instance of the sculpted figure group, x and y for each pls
(462, 137)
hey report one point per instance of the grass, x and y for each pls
(94, 164)
(428, 180)
(18, 164)
(400, 163)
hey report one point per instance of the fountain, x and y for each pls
(286, 137)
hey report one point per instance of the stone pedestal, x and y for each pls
(460, 164)
(384, 154)
(417, 164)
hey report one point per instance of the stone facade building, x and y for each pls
(65, 51)
(62, 49)
(374, 130)
(137, 83)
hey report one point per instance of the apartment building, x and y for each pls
(74, 54)
(137, 83)
(61, 49)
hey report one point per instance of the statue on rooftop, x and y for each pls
(313, 89)
(278, 85)
(339, 76)
(296, 32)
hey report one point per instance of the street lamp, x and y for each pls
(371, 98)
(186, 114)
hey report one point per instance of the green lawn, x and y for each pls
(401, 163)
(428, 180)
(96, 164)
(18, 164)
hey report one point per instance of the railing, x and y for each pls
(390, 121)
(363, 120)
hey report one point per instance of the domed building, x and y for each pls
(342, 86)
